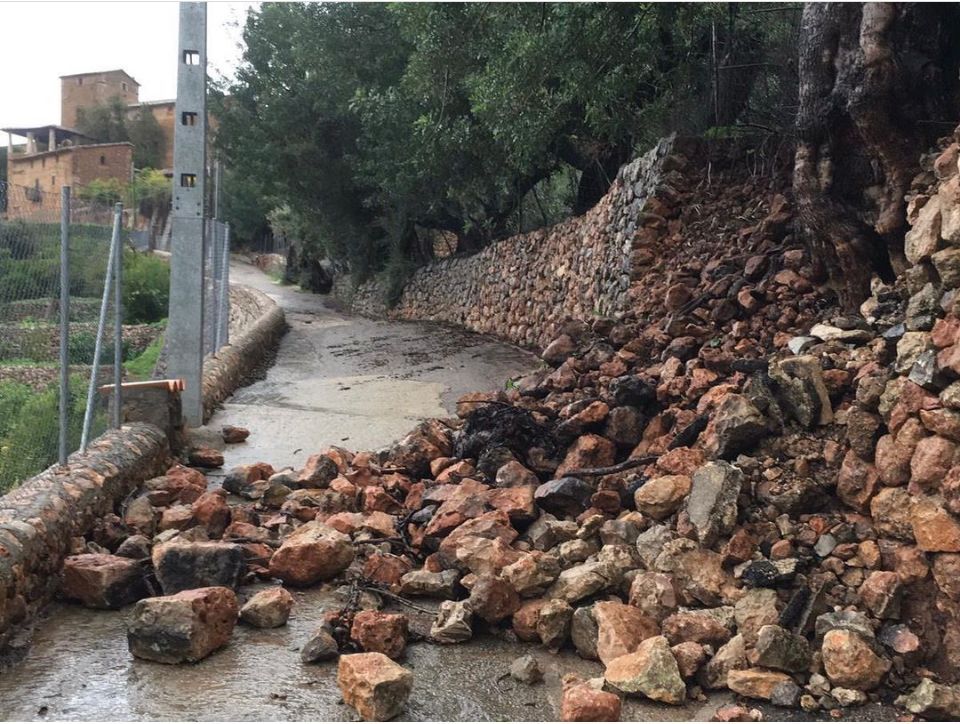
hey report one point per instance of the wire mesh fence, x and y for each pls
(36, 353)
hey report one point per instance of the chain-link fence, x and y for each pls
(216, 283)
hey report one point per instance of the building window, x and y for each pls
(191, 57)
(103, 160)
(53, 180)
(188, 118)
(43, 163)
(79, 81)
(124, 86)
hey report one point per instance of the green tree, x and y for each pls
(151, 194)
(104, 191)
(369, 122)
(104, 122)
(146, 135)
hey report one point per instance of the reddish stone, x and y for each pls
(932, 460)
(517, 502)
(690, 657)
(385, 568)
(698, 626)
(233, 435)
(588, 451)
(857, 481)
(740, 547)
(187, 626)
(373, 685)
(493, 599)
(176, 517)
(934, 528)
(205, 457)
(680, 461)
(314, 552)
(385, 633)
(582, 702)
(525, 619)
(880, 593)
(849, 661)
(100, 580)
(376, 499)
(621, 629)
(211, 511)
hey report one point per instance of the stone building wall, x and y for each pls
(522, 288)
(84, 90)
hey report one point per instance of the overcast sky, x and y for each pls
(43, 40)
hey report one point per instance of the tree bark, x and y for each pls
(875, 78)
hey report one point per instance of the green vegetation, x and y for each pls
(29, 425)
(141, 367)
(108, 123)
(376, 126)
(146, 288)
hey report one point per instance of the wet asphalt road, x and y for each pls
(360, 383)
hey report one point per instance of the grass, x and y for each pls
(141, 367)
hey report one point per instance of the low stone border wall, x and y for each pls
(38, 519)
(234, 364)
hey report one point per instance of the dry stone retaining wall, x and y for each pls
(524, 287)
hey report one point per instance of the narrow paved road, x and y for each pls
(355, 382)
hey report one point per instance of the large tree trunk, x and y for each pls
(878, 84)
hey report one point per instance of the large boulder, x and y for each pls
(186, 626)
(100, 580)
(712, 505)
(314, 552)
(564, 496)
(651, 670)
(620, 629)
(374, 685)
(268, 609)
(737, 426)
(181, 565)
(376, 631)
(850, 660)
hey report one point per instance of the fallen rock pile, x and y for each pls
(736, 486)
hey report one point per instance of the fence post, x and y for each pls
(101, 325)
(64, 323)
(118, 319)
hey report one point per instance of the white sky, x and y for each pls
(40, 41)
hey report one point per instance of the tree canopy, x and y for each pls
(380, 123)
(108, 123)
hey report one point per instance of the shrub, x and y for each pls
(146, 288)
(83, 346)
(29, 425)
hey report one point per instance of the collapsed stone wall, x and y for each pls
(522, 288)
(39, 519)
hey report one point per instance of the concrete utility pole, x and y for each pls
(188, 230)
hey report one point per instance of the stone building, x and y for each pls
(58, 155)
(53, 157)
(84, 90)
